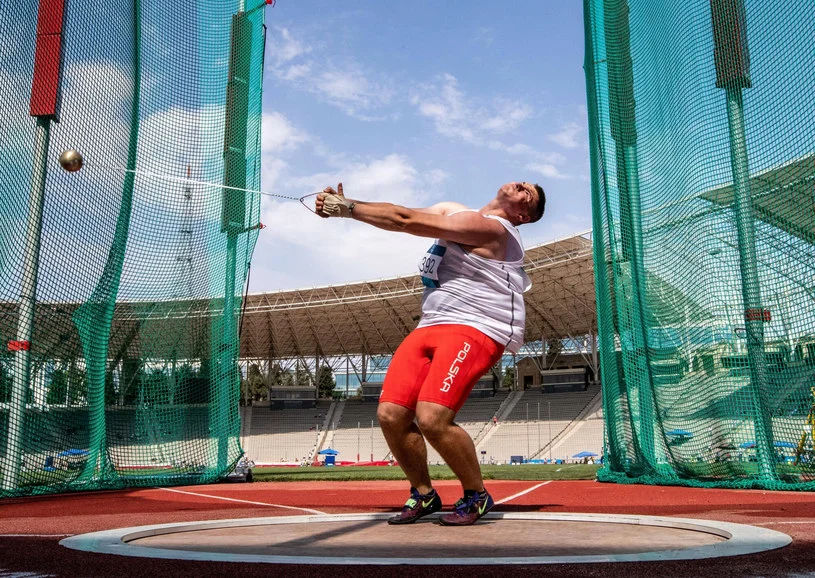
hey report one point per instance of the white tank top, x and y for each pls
(465, 289)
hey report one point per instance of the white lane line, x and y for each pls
(34, 535)
(779, 523)
(519, 494)
(243, 501)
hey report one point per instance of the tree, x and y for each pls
(275, 376)
(110, 389)
(302, 377)
(509, 378)
(77, 384)
(58, 388)
(156, 386)
(255, 384)
(325, 381)
(6, 380)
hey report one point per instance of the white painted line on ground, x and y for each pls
(11, 574)
(243, 501)
(778, 523)
(34, 535)
(739, 539)
(519, 494)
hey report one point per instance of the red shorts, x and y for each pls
(440, 364)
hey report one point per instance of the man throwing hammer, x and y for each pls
(472, 310)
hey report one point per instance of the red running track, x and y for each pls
(31, 528)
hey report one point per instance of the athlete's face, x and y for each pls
(522, 199)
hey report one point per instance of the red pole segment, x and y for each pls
(45, 87)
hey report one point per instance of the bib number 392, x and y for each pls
(429, 265)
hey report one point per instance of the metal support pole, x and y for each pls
(750, 284)
(227, 354)
(28, 297)
(732, 59)
(639, 335)
(549, 403)
(594, 358)
(514, 372)
(637, 367)
(528, 454)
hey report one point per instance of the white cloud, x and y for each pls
(457, 116)
(547, 170)
(391, 179)
(317, 70)
(316, 251)
(279, 134)
(485, 35)
(292, 73)
(508, 117)
(436, 176)
(279, 138)
(272, 170)
(284, 47)
(569, 136)
(446, 107)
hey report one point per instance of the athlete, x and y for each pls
(472, 309)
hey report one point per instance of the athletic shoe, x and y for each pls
(468, 510)
(417, 506)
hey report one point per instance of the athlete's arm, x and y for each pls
(466, 228)
(444, 208)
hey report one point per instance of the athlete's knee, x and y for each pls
(393, 416)
(433, 424)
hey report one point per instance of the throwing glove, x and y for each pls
(337, 206)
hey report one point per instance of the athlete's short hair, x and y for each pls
(541, 207)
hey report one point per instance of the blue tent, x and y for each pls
(328, 452)
(680, 433)
(72, 452)
(752, 444)
(585, 455)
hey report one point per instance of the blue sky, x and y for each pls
(414, 103)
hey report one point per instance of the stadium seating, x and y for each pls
(284, 436)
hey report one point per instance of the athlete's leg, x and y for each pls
(406, 443)
(453, 443)
(397, 403)
(462, 355)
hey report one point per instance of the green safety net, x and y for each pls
(119, 311)
(702, 125)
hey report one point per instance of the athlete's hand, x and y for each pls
(331, 203)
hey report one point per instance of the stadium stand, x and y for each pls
(527, 430)
(284, 436)
(357, 436)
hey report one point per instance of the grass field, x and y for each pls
(361, 473)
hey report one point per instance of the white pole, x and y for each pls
(549, 403)
(28, 297)
(528, 455)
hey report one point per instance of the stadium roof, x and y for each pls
(782, 196)
(373, 317)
